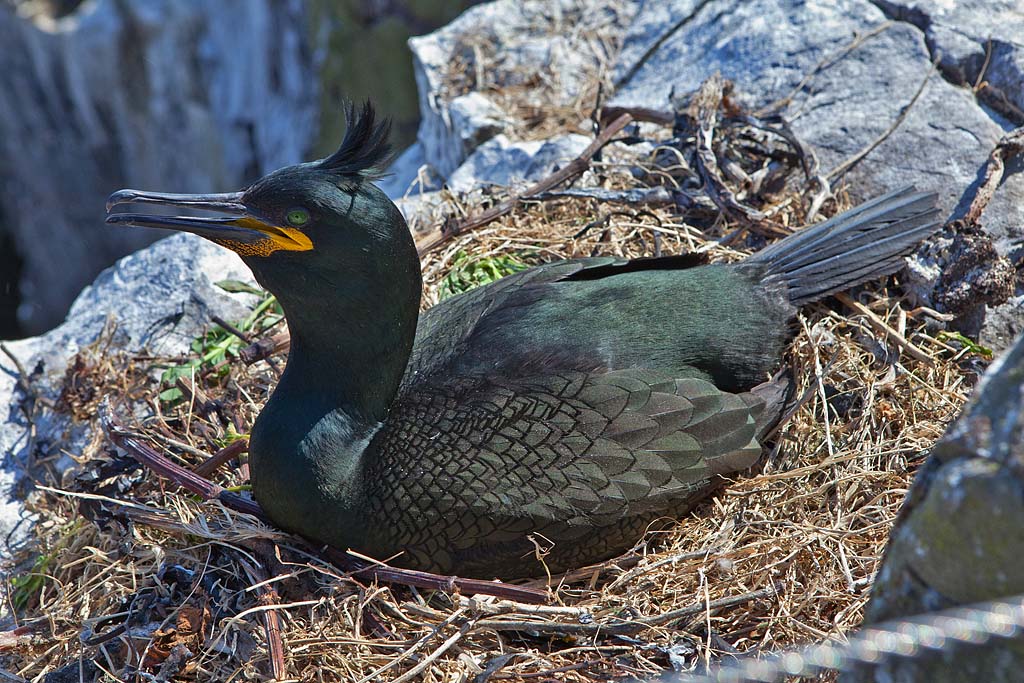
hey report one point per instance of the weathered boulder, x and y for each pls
(409, 174)
(154, 93)
(977, 44)
(959, 538)
(158, 299)
(502, 162)
(860, 79)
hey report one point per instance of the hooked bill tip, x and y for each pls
(119, 197)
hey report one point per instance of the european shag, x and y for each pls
(569, 404)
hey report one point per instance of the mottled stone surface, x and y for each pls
(854, 95)
(157, 300)
(976, 43)
(768, 47)
(507, 46)
(502, 162)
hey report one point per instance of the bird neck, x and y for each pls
(348, 353)
(352, 307)
(346, 361)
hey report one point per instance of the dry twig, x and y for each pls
(880, 325)
(220, 458)
(271, 620)
(704, 110)
(1009, 146)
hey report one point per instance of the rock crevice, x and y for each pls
(978, 48)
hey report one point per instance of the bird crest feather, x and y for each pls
(366, 151)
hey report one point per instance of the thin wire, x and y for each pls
(969, 625)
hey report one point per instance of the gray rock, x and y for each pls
(424, 212)
(410, 174)
(765, 47)
(158, 299)
(154, 94)
(768, 47)
(504, 46)
(958, 538)
(433, 57)
(498, 162)
(502, 162)
(475, 119)
(974, 42)
(653, 23)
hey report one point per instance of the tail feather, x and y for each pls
(867, 242)
(859, 265)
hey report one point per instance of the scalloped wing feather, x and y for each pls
(483, 462)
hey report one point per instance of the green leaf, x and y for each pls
(216, 345)
(187, 369)
(969, 344)
(171, 395)
(26, 586)
(230, 436)
(269, 304)
(236, 286)
(465, 274)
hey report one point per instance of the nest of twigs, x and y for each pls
(141, 580)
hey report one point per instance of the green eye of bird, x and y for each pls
(297, 217)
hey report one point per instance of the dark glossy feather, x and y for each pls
(580, 400)
(365, 150)
(473, 463)
(569, 405)
(867, 242)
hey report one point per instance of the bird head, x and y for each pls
(303, 228)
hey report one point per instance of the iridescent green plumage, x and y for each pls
(567, 405)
